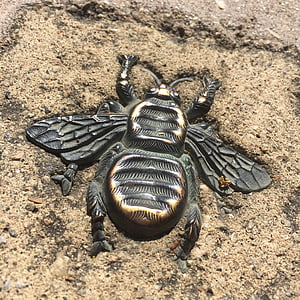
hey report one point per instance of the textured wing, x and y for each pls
(222, 168)
(79, 139)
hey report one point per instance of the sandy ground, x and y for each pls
(61, 60)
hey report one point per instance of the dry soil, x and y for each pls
(60, 59)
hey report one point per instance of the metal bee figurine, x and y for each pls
(150, 158)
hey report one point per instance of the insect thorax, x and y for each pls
(158, 126)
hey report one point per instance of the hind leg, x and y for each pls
(97, 211)
(95, 202)
(193, 223)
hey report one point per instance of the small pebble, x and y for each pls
(18, 155)
(8, 95)
(2, 239)
(158, 286)
(12, 232)
(6, 285)
(36, 200)
(21, 285)
(221, 4)
(48, 221)
(31, 207)
(47, 110)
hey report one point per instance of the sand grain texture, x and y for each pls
(61, 60)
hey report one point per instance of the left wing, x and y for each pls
(79, 139)
(222, 168)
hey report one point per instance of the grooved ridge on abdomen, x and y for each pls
(150, 184)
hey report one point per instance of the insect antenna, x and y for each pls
(158, 82)
(175, 82)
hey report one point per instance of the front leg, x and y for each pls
(95, 202)
(202, 102)
(193, 223)
(124, 88)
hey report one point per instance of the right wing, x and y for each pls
(221, 167)
(79, 139)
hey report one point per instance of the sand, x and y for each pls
(61, 60)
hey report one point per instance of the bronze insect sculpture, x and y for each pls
(150, 158)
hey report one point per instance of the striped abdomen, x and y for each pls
(147, 193)
(157, 125)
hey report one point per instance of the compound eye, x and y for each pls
(175, 96)
(153, 91)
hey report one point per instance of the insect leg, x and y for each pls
(97, 211)
(110, 106)
(66, 180)
(193, 224)
(95, 203)
(202, 102)
(124, 88)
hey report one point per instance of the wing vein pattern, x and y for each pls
(214, 161)
(80, 139)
